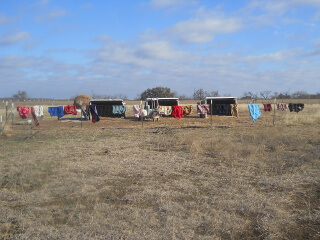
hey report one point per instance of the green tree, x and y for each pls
(157, 92)
(20, 95)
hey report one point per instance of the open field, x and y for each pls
(172, 179)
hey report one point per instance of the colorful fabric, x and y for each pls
(118, 109)
(136, 111)
(23, 112)
(282, 106)
(70, 109)
(56, 111)
(296, 107)
(165, 110)
(234, 110)
(187, 110)
(203, 108)
(254, 110)
(267, 107)
(94, 113)
(177, 112)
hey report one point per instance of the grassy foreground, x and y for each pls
(242, 181)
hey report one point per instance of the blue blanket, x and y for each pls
(56, 111)
(118, 109)
(254, 110)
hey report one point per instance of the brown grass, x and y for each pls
(176, 179)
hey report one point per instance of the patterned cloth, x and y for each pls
(70, 109)
(203, 108)
(296, 107)
(234, 110)
(136, 111)
(282, 106)
(254, 110)
(94, 113)
(187, 110)
(267, 107)
(23, 112)
(35, 117)
(118, 109)
(165, 110)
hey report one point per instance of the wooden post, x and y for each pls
(81, 112)
(6, 109)
(211, 112)
(274, 111)
(12, 107)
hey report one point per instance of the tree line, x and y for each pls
(199, 94)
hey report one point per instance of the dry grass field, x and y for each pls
(172, 179)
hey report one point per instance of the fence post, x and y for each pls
(274, 110)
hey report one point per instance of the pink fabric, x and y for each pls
(203, 108)
(23, 112)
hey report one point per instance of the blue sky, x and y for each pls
(59, 48)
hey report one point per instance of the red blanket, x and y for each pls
(267, 107)
(70, 110)
(23, 112)
(177, 111)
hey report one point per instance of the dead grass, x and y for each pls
(176, 179)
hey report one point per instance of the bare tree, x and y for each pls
(265, 94)
(20, 95)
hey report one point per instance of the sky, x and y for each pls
(61, 48)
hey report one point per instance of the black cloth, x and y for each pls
(94, 113)
(296, 107)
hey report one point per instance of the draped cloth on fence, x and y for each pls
(234, 110)
(38, 111)
(94, 113)
(136, 111)
(267, 107)
(187, 110)
(70, 109)
(254, 110)
(296, 107)
(177, 112)
(23, 112)
(56, 111)
(118, 109)
(203, 108)
(282, 106)
(165, 110)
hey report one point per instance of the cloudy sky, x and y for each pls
(60, 48)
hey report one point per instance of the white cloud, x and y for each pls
(200, 30)
(159, 50)
(14, 38)
(4, 19)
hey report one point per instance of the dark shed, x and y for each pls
(105, 109)
(220, 105)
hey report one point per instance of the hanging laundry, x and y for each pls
(234, 110)
(267, 107)
(296, 107)
(187, 110)
(165, 110)
(118, 109)
(254, 110)
(136, 111)
(70, 109)
(38, 110)
(223, 109)
(282, 106)
(94, 113)
(203, 108)
(56, 111)
(23, 112)
(177, 112)
(35, 117)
